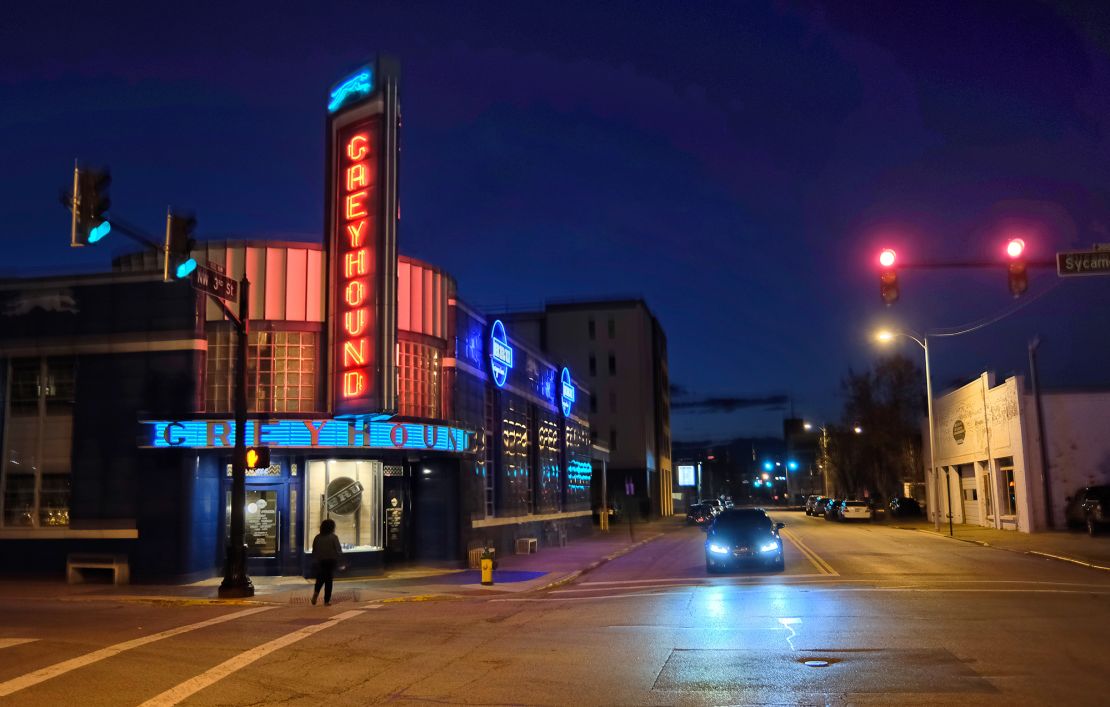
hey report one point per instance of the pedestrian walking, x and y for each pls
(327, 552)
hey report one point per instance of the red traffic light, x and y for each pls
(886, 258)
(1015, 247)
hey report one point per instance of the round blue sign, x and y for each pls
(566, 391)
(500, 354)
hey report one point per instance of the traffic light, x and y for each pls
(257, 458)
(1019, 277)
(179, 246)
(89, 205)
(888, 277)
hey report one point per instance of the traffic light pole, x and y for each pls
(236, 582)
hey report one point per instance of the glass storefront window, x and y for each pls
(418, 379)
(350, 493)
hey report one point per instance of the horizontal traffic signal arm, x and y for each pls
(965, 264)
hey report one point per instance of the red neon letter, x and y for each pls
(314, 431)
(355, 207)
(354, 323)
(354, 356)
(354, 263)
(354, 383)
(357, 176)
(356, 232)
(358, 147)
(355, 293)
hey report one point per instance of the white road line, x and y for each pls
(9, 642)
(194, 685)
(51, 671)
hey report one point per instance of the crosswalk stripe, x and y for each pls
(194, 685)
(9, 642)
(51, 671)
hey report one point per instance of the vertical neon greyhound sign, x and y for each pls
(362, 247)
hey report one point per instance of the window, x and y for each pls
(1009, 491)
(36, 466)
(591, 328)
(612, 328)
(593, 403)
(593, 365)
(418, 379)
(350, 493)
(612, 364)
(281, 370)
(612, 401)
(612, 439)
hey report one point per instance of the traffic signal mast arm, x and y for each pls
(958, 264)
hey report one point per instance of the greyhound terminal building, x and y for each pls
(422, 427)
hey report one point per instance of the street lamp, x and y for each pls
(886, 336)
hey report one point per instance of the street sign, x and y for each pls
(1081, 263)
(215, 284)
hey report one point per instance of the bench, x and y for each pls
(117, 564)
(526, 546)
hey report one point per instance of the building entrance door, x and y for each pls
(266, 530)
(969, 492)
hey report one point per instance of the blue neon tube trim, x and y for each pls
(355, 86)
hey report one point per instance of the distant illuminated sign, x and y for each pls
(500, 354)
(566, 391)
(687, 475)
(352, 88)
(306, 434)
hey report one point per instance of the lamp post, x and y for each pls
(885, 336)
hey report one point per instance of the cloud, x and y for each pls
(726, 404)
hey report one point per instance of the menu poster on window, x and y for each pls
(261, 527)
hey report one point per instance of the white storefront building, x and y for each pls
(988, 468)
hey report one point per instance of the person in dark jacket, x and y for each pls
(327, 552)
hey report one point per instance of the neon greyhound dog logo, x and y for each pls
(357, 85)
(500, 354)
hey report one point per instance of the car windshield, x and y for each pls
(742, 520)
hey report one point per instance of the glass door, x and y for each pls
(266, 529)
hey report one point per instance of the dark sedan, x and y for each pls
(698, 514)
(743, 537)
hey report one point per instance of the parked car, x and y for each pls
(698, 514)
(811, 502)
(904, 506)
(743, 536)
(853, 510)
(830, 509)
(1089, 508)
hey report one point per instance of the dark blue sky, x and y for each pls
(734, 163)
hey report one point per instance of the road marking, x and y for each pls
(194, 685)
(9, 642)
(53, 671)
(755, 578)
(814, 559)
(607, 596)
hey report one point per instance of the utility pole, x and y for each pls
(1045, 479)
(236, 582)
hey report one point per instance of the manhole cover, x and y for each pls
(817, 663)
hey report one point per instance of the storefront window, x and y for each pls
(1009, 492)
(37, 457)
(281, 370)
(547, 439)
(515, 481)
(350, 493)
(418, 379)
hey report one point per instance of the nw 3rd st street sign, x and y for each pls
(215, 284)
(1079, 263)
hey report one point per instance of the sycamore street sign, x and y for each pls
(215, 283)
(1084, 262)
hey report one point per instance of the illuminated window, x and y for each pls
(515, 478)
(350, 493)
(39, 442)
(281, 370)
(418, 380)
(1009, 491)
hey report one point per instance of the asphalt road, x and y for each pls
(890, 615)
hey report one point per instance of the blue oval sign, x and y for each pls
(500, 354)
(566, 391)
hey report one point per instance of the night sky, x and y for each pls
(737, 164)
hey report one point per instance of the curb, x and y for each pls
(981, 543)
(566, 579)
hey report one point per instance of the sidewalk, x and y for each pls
(1068, 546)
(548, 567)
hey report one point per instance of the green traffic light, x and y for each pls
(99, 232)
(186, 268)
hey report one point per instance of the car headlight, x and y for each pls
(719, 549)
(769, 547)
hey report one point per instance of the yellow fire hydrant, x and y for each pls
(486, 564)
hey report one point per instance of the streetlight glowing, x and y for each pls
(1015, 247)
(884, 335)
(807, 426)
(857, 429)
